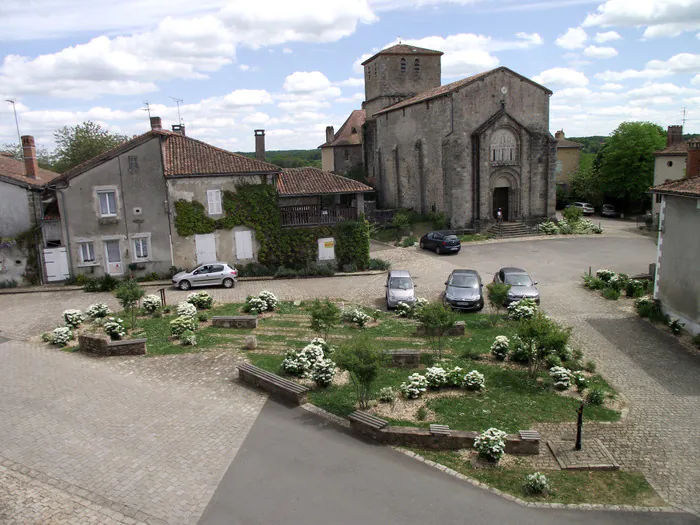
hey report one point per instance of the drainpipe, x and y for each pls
(126, 223)
(167, 206)
(68, 245)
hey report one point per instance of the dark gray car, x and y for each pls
(464, 290)
(521, 285)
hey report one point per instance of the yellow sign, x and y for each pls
(328, 244)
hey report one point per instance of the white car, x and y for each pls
(209, 274)
(585, 207)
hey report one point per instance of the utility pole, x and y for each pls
(177, 101)
(19, 135)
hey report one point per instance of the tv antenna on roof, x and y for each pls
(177, 101)
(683, 119)
(147, 108)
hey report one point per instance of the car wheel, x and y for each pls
(438, 250)
(422, 246)
(184, 285)
(228, 283)
(481, 306)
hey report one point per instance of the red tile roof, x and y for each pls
(404, 49)
(686, 187)
(345, 135)
(313, 181)
(679, 149)
(14, 169)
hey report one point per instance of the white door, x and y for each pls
(244, 245)
(56, 261)
(205, 246)
(326, 249)
(113, 256)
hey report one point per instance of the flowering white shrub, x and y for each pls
(255, 305)
(579, 379)
(586, 226)
(303, 362)
(269, 298)
(523, 309)
(647, 300)
(181, 324)
(536, 483)
(491, 444)
(420, 303)
(320, 341)
(323, 372)
(549, 228)
(186, 310)
(98, 310)
(151, 304)
(564, 227)
(604, 274)
(474, 381)
(500, 347)
(566, 353)
(455, 377)
(61, 335)
(187, 338)
(73, 318)
(355, 316)
(200, 300)
(404, 310)
(561, 377)
(414, 387)
(436, 377)
(387, 395)
(114, 328)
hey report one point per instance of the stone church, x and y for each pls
(465, 148)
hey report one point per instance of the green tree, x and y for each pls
(585, 186)
(572, 215)
(541, 337)
(43, 156)
(324, 316)
(363, 361)
(627, 163)
(497, 294)
(129, 293)
(437, 320)
(76, 144)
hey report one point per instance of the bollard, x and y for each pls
(162, 296)
(579, 427)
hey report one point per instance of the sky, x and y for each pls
(293, 67)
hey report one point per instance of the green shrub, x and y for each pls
(129, 293)
(421, 414)
(256, 270)
(408, 242)
(590, 366)
(181, 324)
(401, 222)
(352, 243)
(676, 326)
(696, 340)
(635, 288)
(325, 315)
(552, 360)
(363, 361)
(595, 396)
(578, 354)
(649, 307)
(285, 273)
(202, 317)
(379, 264)
(518, 351)
(387, 395)
(437, 320)
(572, 215)
(611, 294)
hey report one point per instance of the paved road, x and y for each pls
(296, 468)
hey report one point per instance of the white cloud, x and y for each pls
(357, 97)
(696, 81)
(659, 17)
(244, 67)
(658, 90)
(303, 104)
(611, 87)
(352, 82)
(574, 38)
(652, 101)
(561, 76)
(287, 51)
(617, 76)
(600, 52)
(681, 63)
(608, 36)
(306, 82)
(248, 97)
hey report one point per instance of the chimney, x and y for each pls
(559, 135)
(179, 128)
(260, 144)
(674, 135)
(330, 134)
(31, 165)
(693, 162)
(156, 123)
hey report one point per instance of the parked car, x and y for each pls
(585, 207)
(209, 274)
(521, 285)
(464, 290)
(443, 241)
(399, 288)
(608, 210)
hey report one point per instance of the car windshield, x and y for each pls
(451, 238)
(400, 283)
(518, 279)
(460, 280)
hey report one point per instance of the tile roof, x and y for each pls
(680, 148)
(345, 136)
(403, 49)
(565, 143)
(14, 169)
(686, 187)
(450, 88)
(313, 181)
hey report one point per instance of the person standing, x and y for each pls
(499, 216)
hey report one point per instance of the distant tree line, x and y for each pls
(293, 158)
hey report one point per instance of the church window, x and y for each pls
(403, 65)
(503, 147)
(354, 131)
(369, 72)
(416, 65)
(347, 154)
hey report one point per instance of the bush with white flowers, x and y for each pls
(387, 395)
(303, 362)
(604, 274)
(355, 316)
(579, 379)
(455, 377)
(491, 444)
(269, 298)
(255, 305)
(73, 318)
(523, 309)
(187, 338)
(474, 381)
(561, 377)
(327, 349)
(151, 304)
(114, 328)
(404, 310)
(500, 347)
(436, 377)
(98, 310)
(564, 227)
(186, 310)
(181, 324)
(414, 387)
(200, 300)
(420, 303)
(586, 226)
(60, 336)
(323, 372)
(536, 483)
(549, 228)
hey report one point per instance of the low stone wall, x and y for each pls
(102, 345)
(458, 330)
(235, 321)
(404, 358)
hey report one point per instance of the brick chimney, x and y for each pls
(559, 135)
(179, 128)
(156, 123)
(31, 166)
(693, 162)
(674, 135)
(260, 144)
(330, 134)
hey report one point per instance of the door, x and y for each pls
(113, 256)
(500, 200)
(326, 249)
(244, 244)
(216, 274)
(205, 247)
(56, 261)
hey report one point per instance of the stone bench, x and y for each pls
(404, 358)
(101, 345)
(366, 423)
(275, 385)
(234, 321)
(459, 329)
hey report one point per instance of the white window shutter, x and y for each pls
(214, 202)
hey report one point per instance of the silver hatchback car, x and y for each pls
(399, 289)
(209, 274)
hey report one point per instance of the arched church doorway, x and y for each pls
(500, 200)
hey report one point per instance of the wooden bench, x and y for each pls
(366, 423)
(440, 430)
(277, 386)
(234, 321)
(404, 358)
(529, 435)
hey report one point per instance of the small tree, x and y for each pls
(362, 360)
(497, 294)
(325, 315)
(129, 293)
(572, 214)
(437, 320)
(541, 337)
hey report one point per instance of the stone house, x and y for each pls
(568, 159)
(342, 151)
(670, 162)
(465, 148)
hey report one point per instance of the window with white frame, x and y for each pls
(108, 203)
(87, 252)
(141, 248)
(214, 201)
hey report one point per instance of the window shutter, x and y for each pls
(214, 201)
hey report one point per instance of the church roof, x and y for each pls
(345, 135)
(404, 49)
(454, 86)
(294, 182)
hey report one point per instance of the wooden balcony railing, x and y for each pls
(309, 215)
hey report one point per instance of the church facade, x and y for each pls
(466, 149)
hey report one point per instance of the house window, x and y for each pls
(669, 163)
(133, 163)
(108, 203)
(369, 72)
(214, 201)
(347, 154)
(416, 65)
(141, 248)
(87, 252)
(403, 65)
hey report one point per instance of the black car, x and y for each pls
(608, 210)
(464, 290)
(441, 241)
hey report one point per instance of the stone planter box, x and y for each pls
(404, 358)
(235, 321)
(458, 330)
(103, 346)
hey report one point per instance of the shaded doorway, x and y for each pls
(500, 200)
